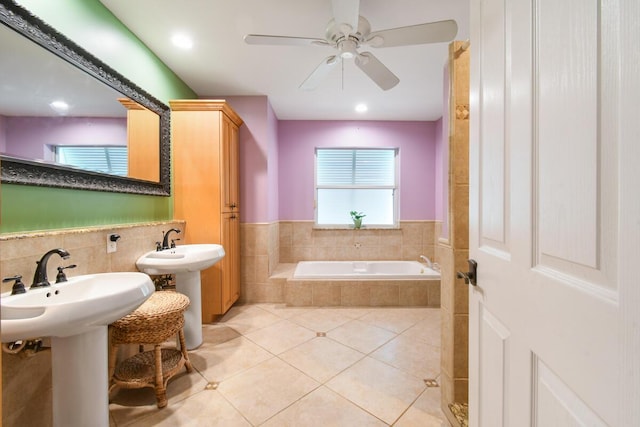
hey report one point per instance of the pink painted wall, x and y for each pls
(273, 205)
(416, 141)
(27, 136)
(277, 160)
(3, 134)
(258, 158)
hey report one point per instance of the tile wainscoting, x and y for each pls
(87, 246)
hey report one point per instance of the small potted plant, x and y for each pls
(357, 218)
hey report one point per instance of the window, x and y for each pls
(356, 179)
(111, 159)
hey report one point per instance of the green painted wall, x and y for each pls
(89, 24)
(34, 208)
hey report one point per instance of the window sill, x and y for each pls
(364, 227)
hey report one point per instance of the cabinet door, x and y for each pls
(231, 260)
(229, 164)
(143, 134)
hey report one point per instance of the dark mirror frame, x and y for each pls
(19, 171)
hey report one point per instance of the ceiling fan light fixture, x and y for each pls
(347, 48)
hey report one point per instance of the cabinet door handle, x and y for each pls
(233, 205)
(233, 217)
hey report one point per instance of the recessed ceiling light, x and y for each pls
(182, 41)
(59, 106)
(361, 108)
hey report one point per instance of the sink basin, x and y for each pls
(186, 262)
(181, 259)
(76, 315)
(73, 307)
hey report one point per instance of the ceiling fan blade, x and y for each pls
(432, 32)
(320, 73)
(376, 71)
(346, 12)
(283, 40)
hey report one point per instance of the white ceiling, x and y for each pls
(32, 78)
(222, 64)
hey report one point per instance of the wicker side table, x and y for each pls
(158, 319)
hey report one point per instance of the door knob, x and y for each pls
(470, 276)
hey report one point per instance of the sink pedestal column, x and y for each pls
(80, 384)
(189, 284)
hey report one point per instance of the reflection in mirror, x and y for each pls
(143, 136)
(67, 120)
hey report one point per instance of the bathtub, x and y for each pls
(362, 283)
(364, 270)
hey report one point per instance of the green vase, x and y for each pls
(357, 222)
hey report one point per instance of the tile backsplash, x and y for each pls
(87, 247)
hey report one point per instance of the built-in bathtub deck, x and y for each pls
(351, 293)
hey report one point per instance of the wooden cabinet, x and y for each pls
(230, 162)
(231, 262)
(205, 158)
(143, 134)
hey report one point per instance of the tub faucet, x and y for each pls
(165, 240)
(40, 277)
(427, 261)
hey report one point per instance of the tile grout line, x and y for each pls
(318, 334)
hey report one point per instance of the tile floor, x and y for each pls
(271, 365)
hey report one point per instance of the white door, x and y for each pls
(555, 213)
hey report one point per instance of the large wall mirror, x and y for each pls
(68, 120)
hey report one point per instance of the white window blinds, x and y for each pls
(111, 159)
(356, 167)
(356, 179)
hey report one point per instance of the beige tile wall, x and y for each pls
(87, 247)
(453, 252)
(454, 302)
(367, 293)
(299, 241)
(266, 246)
(26, 382)
(259, 258)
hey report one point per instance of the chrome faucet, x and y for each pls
(427, 261)
(165, 240)
(40, 277)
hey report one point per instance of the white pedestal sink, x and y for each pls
(76, 314)
(186, 262)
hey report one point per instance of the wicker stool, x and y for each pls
(154, 322)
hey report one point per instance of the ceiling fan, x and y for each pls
(348, 31)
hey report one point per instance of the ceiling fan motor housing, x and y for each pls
(338, 32)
